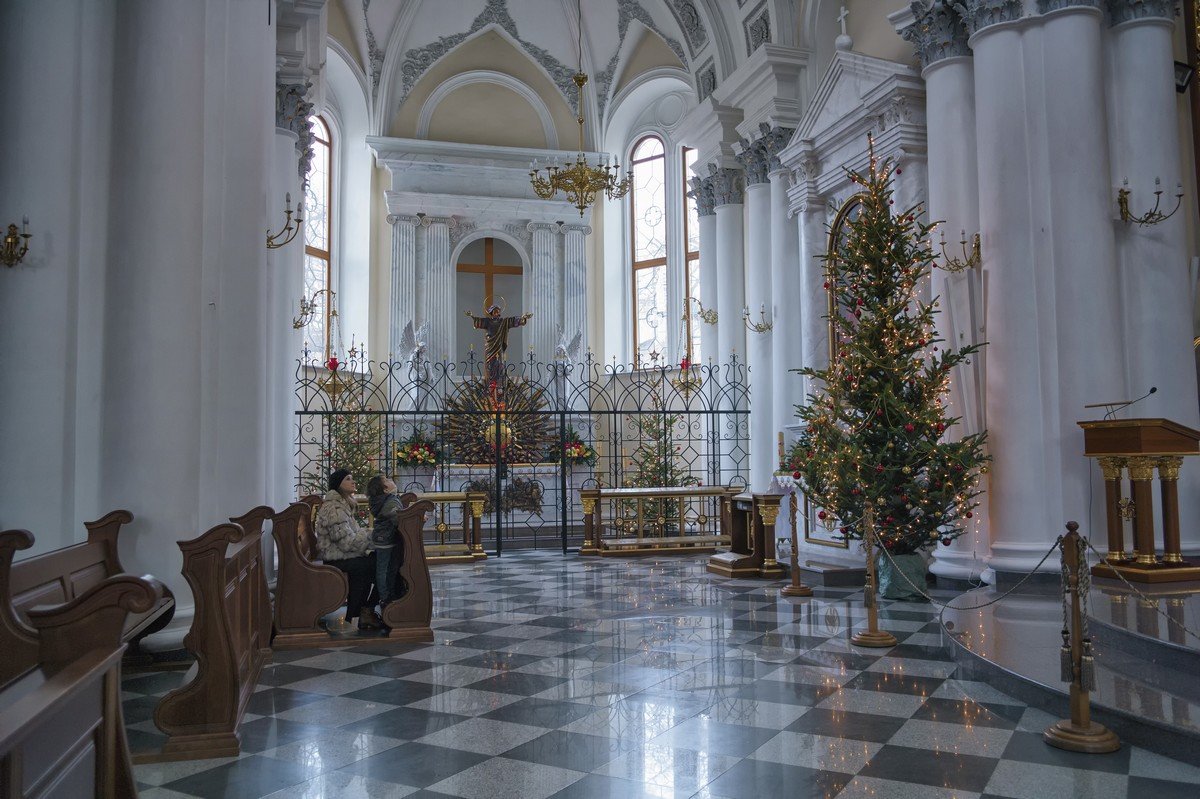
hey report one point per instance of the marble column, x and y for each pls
(402, 307)
(439, 294)
(814, 298)
(754, 159)
(702, 192)
(1156, 289)
(728, 194)
(1085, 303)
(784, 305)
(574, 297)
(1025, 483)
(539, 293)
(940, 39)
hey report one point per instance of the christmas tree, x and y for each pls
(353, 441)
(875, 431)
(656, 462)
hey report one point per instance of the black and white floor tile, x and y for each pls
(578, 678)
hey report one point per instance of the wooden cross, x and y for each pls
(489, 269)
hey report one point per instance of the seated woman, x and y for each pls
(342, 543)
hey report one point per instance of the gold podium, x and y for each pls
(1141, 446)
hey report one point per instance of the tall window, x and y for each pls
(318, 238)
(648, 227)
(691, 259)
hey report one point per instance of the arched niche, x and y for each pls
(488, 266)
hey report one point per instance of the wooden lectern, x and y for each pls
(750, 520)
(1141, 446)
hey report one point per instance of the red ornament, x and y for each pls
(897, 170)
(826, 284)
(969, 514)
(685, 363)
(890, 519)
(879, 468)
(879, 411)
(940, 427)
(854, 491)
(796, 475)
(946, 541)
(332, 364)
(821, 515)
(859, 301)
(908, 428)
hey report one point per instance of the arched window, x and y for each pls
(648, 235)
(691, 259)
(318, 240)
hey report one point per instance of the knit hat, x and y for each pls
(336, 477)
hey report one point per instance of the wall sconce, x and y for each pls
(1153, 216)
(14, 247)
(708, 317)
(968, 261)
(757, 327)
(290, 228)
(308, 309)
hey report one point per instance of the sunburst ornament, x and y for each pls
(477, 409)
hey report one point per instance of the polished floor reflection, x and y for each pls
(567, 677)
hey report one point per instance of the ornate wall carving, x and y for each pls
(728, 185)
(1129, 10)
(706, 79)
(757, 26)
(374, 53)
(292, 112)
(938, 33)
(691, 23)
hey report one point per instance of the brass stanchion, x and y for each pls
(1078, 733)
(796, 588)
(872, 636)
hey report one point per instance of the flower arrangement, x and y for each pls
(576, 450)
(416, 451)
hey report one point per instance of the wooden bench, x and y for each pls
(410, 615)
(653, 520)
(61, 731)
(64, 574)
(306, 590)
(230, 637)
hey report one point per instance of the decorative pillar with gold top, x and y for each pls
(1141, 446)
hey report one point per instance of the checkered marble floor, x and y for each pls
(574, 678)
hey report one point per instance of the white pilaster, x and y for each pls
(439, 284)
(402, 307)
(729, 190)
(540, 292)
(814, 298)
(786, 313)
(575, 283)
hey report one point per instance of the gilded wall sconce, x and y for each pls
(969, 260)
(1154, 215)
(707, 316)
(761, 326)
(16, 244)
(309, 307)
(290, 228)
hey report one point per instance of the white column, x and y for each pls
(730, 265)
(285, 274)
(539, 292)
(786, 386)
(184, 438)
(814, 297)
(402, 307)
(439, 285)
(702, 192)
(1156, 290)
(953, 180)
(758, 345)
(1085, 305)
(1023, 478)
(575, 284)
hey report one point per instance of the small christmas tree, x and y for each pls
(874, 434)
(656, 462)
(353, 441)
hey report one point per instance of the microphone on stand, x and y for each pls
(1113, 407)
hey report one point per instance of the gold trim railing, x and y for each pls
(640, 520)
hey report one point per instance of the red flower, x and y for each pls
(685, 364)
(332, 364)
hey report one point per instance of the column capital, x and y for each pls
(937, 33)
(533, 227)
(426, 220)
(585, 230)
(1134, 10)
(394, 219)
(702, 193)
(754, 159)
(980, 14)
(1047, 6)
(729, 185)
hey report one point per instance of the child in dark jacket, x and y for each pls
(385, 505)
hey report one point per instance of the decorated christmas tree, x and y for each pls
(656, 461)
(875, 434)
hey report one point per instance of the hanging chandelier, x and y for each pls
(579, 180)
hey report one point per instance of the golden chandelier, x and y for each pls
(579, 180)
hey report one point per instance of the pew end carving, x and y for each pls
(305, 591)
(410, 615)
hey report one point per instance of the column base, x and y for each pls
(876, 639)
(1158, 572)
(1095, 739)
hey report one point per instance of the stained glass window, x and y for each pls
(318, 235)
(648, 233)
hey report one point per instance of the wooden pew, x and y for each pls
(61, 731)
(410, 615)
(305, 589)
(230, 638)
(60, 576)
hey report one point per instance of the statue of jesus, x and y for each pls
(496, 338)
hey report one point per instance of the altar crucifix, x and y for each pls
(496, 339)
